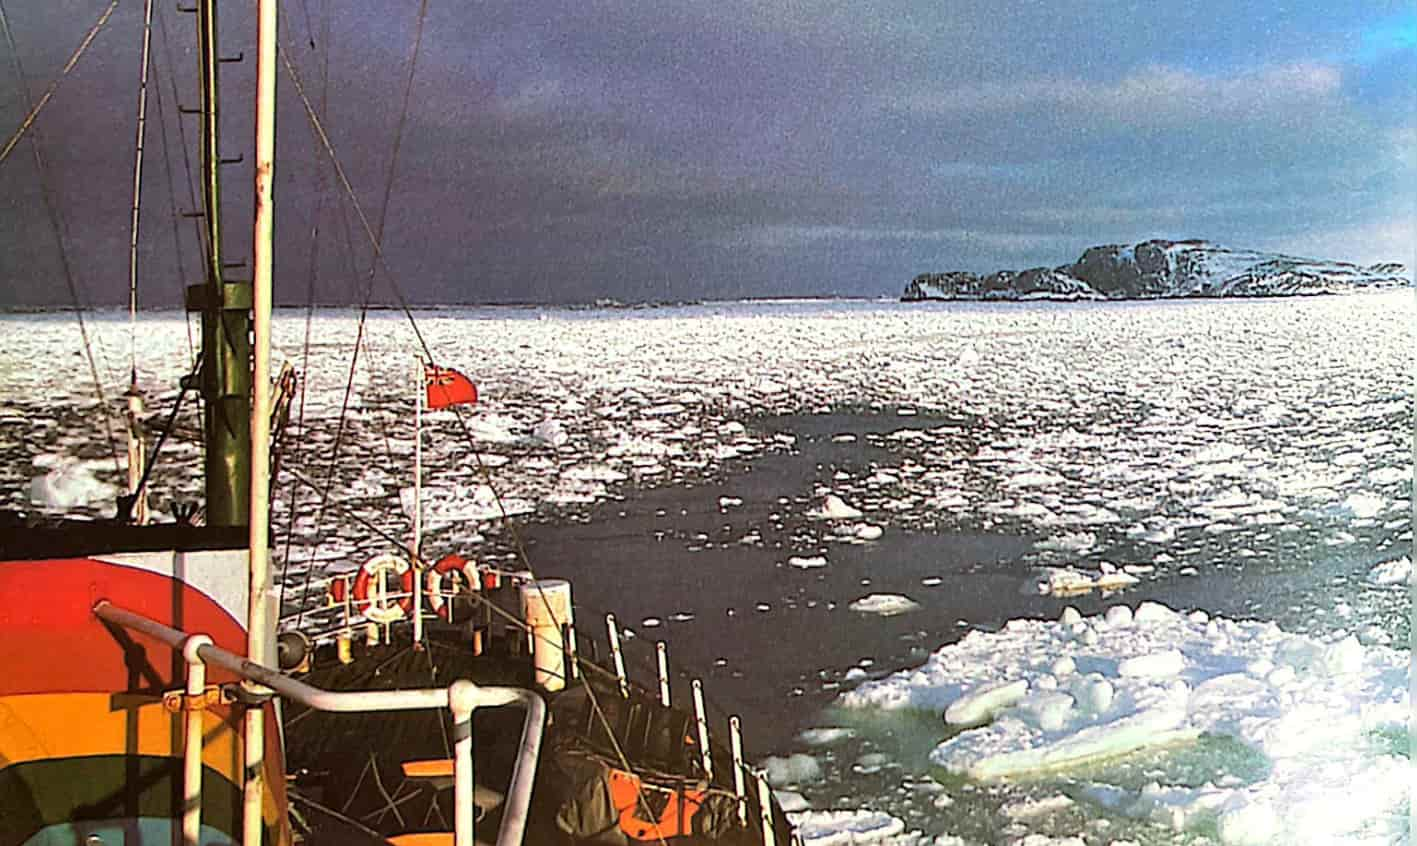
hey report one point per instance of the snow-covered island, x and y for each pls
(1157, 269)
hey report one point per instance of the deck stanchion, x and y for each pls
(702, 719)
(192, 749)
(570, 637)
(662, 653)
(617, 655)
(765, 808)
(461, 701)
(735, 731)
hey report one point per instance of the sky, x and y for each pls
(684, 150)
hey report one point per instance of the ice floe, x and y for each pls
(884, 604)
(1329, 718)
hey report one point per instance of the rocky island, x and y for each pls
(1156, 269)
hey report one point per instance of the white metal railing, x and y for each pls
(461, 698)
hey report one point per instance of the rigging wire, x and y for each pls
(33, 113)
(180, 262)
(137, 196)
(187, 167)
(377, 236)
(381, 263)
(321, 189)
(56, 223)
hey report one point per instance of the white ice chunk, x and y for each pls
(798, 768)
(1168, 662)
(978, 706)
(833, 507)
(550, 433)
(1394, 572)
(70, 484)
(885, 604)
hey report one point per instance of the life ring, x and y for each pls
(433, 582)
(339, 585)
(384, 611)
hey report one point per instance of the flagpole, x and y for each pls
(419, 390)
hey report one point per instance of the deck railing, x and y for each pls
(461, 698)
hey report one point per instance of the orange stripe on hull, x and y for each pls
(59, 725)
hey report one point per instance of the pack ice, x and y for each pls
(1328, 716)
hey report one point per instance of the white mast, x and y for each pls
(137, 450)
(259, 625)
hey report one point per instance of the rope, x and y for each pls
(53, 86)
(56, 221)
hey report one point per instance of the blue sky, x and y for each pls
(681, 150)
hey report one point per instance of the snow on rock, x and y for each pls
(885, 604)
(1084, 689)
(833, 507)
(808, 562)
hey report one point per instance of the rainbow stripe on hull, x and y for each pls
(88, 751)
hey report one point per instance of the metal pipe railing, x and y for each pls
(461, 698)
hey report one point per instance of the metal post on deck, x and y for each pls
(192, 749)
(616, 654)
(462, 698)
(735, 731)
(662, 653)
(702, 718)
(765, 808)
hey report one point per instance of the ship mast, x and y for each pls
(259, 622)
(226, 318)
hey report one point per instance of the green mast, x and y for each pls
(226, 320)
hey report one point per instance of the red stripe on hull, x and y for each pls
(51, 642)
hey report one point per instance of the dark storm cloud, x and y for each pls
(674, 149)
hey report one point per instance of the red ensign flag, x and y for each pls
(447, 386)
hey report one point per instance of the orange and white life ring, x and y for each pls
(381, 608)
(433, 582)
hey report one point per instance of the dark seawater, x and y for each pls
(661, 552)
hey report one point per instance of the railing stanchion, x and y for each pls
(702, 718)
(192, 748)
(735, 731)
(662, 652)
(461, 698)
(765, 808)
(617, 655)
(461, 701)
